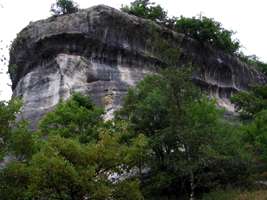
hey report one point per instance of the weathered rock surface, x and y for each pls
(101, 51)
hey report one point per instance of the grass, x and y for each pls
(236, 195)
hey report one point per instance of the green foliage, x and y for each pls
(236, 194)
(252, 106)
(203, 29)
(251, 102)
(57, 163)
(8, 111)
(62, 7)
(64, 168)
(145, 106)
(187, 139)
(12, 71)
(128, 190)
(166, 50)
(221, 195)
(256, 135)
(207, 30)
(21, 143)
(253, 60)
(147, 10)
(231, 162)
(13, 181)
(78, 117)
(168, 139)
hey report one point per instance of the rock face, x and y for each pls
(101, 52)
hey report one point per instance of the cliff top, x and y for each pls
(91, 31)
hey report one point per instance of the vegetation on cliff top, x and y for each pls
(147, 10)
(203, 29)
(62, 7)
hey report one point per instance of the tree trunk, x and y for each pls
(192, 186)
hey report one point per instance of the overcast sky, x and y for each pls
(246, 17)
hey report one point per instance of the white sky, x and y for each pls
(246, 17)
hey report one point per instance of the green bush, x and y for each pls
(250, 103)
(207, 30)
(62, 7)
(220, 195)
(236, 194)
(203, 29)
(147, 10)
(254, 61)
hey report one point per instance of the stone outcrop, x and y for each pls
(101, 52)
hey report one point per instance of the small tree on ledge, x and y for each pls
(62, 7)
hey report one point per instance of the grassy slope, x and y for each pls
(236, 195)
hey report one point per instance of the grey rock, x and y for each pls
(102, 52)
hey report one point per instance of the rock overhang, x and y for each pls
(121, 49)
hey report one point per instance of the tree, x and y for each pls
(66, 169)
(249, 103)
(184, 131)
(62, 7)
(253, 60)
(78, 117)
(203, 29)
(16, 143)
(147, 10)
(207, 30)
(14, 179)
(22, 142)
(252, 106)
(8, 112)
(256, 134)
(74, 155)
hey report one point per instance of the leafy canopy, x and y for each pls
(203, 29)
(168, 139)
(147, 10)
(185, 133)
(8, 112)
(253, 60)
(62, 7)
(78, 118)
(249, 103)
(252, 106)
(207, 30)
(73, 155)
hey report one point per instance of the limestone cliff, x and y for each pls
(101, 51)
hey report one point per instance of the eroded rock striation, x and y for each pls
(101, 52)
